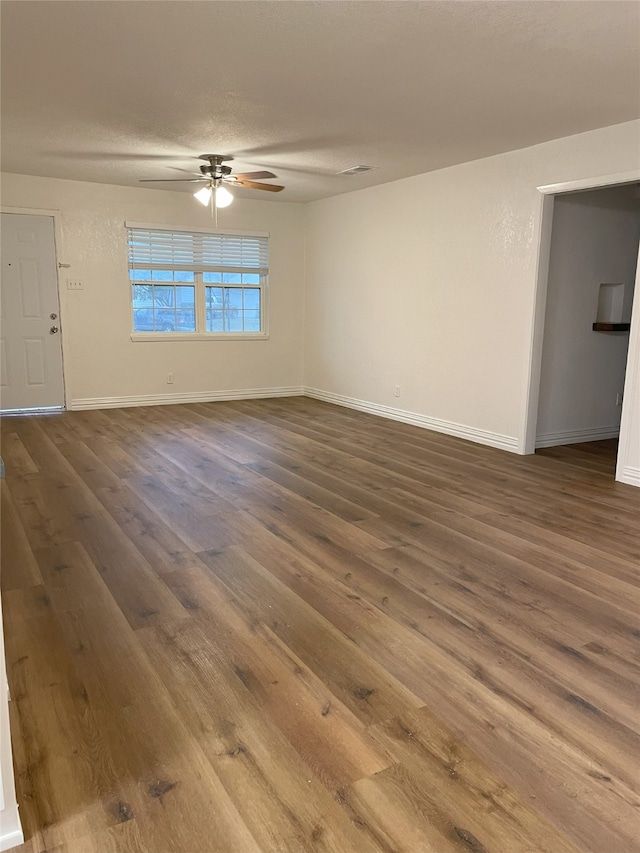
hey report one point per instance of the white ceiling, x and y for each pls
(117, 91)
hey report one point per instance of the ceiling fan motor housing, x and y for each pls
(215, 169)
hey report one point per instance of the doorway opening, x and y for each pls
(585, 333)
(590, 286)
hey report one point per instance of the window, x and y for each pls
(198, 284)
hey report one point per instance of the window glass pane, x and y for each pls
(161, 275)
(185, 297)
(163, 296)
(213, 297)
(250, 278)
(186, 320)
(184, 275)
(251, 297)
(252, 321)
(165, 320)
(142, 320)
(214, 321)
(233, 297)
(208, 277)
(154, 311)
(234, 322)
(231, 277)
(142, 296)
(140, 275)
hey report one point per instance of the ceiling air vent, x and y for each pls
(356, 170)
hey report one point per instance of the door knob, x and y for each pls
(53, 330)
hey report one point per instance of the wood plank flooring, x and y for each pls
(285, 626)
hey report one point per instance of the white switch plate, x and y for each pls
(74, 284)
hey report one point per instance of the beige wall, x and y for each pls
(429, 283)
(101, 362)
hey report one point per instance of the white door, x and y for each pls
(30, 348)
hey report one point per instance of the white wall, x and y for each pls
(429, 283)
(594, 239)
(101, 362)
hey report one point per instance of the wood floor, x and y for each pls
(280, 625)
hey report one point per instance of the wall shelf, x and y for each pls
(611, 327)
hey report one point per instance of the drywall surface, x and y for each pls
(428, 284)
(102, 363)
(594, 240)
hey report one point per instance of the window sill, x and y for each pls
(195, 336)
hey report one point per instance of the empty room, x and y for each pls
(320, 434)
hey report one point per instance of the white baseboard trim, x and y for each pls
(575, 436)
(11, 839)
(188, 397)
(480, 436)
(629, 475)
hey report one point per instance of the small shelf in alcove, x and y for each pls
(611, 327)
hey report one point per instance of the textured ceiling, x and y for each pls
(117, 91)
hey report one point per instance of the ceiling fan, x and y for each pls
(214, 175)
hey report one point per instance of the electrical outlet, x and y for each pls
(618, 399)
(169, 378)
(74, 284)
(396, 391)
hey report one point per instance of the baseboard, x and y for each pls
(576, 436)
(480, 436)
(11, 839)
(629, 475)
(188, 397)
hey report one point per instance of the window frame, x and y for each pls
(200, 286)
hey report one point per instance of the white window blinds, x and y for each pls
(155, 248)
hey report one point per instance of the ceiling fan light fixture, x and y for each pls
(223, 197)
(203, 195)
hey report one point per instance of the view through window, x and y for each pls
(198, 283)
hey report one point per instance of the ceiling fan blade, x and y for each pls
(172, 180)
(253, 176)
(272, 188)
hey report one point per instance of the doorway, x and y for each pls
(31, 352)
(590, 286)
(628, 459)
